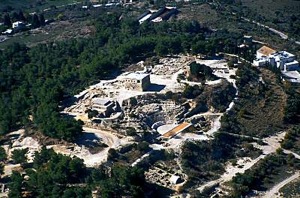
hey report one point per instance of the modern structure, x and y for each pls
(283, 60)
(183, 127)
(162, 14)
(18, 25)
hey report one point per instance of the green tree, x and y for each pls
(6, 20)
(42, 20)
(42, 157)
(143, 146)
(3, 155)
(15, 186)
(35, 23)
(21, 16)
(15, 16)
(1, 169)
(77, 192)
(19, 156)
(124, 181)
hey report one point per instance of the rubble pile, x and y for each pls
(150, 109)
(169, 66)
(163, 176)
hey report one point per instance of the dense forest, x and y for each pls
(34, 81)
(56, 175)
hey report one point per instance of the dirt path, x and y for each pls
(274, 191)
(273, 143)
(9, 168)
(92, 160)
(108, 138)
(290, 152)
(279, 33)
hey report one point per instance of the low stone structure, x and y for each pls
(104, 106)
(135, 81)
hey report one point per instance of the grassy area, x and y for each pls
(260, 109)
(291, 190)
(59, 30)
(266, 12)
(264, 115)
(282, 15)
(33, 5)
(272, 9)
(202, 13)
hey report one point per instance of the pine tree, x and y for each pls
(7, 21)
(35, 21)
(21, 16)
(42, 20)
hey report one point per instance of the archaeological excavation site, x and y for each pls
(143, 116)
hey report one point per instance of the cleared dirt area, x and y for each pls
(92, 160)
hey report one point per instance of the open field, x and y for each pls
(271, 9)
(259, 112)
(57, 31)
(265, 114)
(274, 15)
(33, 5)
(202, 13)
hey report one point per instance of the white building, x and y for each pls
(264, 51)
(281, 59)
(8, 31)
(18, 25)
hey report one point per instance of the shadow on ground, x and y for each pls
(156, 87)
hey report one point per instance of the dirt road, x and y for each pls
(273, 143)
(106, 137)
(274, 191)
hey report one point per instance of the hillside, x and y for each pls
(95, 101)
(32, 5)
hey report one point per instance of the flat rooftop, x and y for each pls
(266, 50)
(293, 63)
(283, 54)
(137, 76)
(177, 130)
(291, 74)
(101, 101)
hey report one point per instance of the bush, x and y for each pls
(133, 101)
(112, 154)
(131, 131)
(143, 146)
(92, 113)
(3, 155)
(19, 156)
(169, 95)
